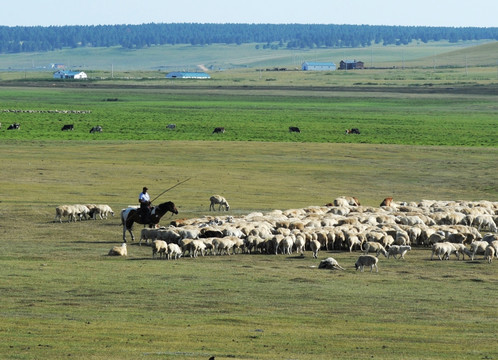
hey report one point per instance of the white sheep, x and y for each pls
(148, 234)
(222, 246)
(489, 253)
(195, 247)
(168, 234)
(174, 251)
(374, 247)
(353, 241)
(220, 200)
(394, 250)
(159, 247)
(68, 211)
(485, 222)
(478, 246)
(102, 210)
(402, 238)
(443, 250)
(286, 245)
(300, 243)
(82, 211)
(119, 250)
(367, 260)
(461, 249)
(315, 247)
(330, 263)
(349, 201)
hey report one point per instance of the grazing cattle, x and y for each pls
(14, 126)
(218, 130)
(387, 201)
(294, 129)
(67, 127)
(353, 131)
(171, 126)
(96, 129)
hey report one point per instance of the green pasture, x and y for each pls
(62, 297)
(383, 115)
(421, 138)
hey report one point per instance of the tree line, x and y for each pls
(292, 36)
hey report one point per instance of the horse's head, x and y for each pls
(167, 206)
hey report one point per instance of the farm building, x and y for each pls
(318, 66)
(187, 75)
(351, 65)
(61, 74)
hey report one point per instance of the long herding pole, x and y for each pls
(170, 188)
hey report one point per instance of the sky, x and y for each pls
(483, 13)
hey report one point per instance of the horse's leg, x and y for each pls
(124, 232)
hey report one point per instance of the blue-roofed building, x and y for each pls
(187, 75)
(318, 66)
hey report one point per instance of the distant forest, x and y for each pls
(292, 36)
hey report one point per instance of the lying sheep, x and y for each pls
(401, 250)
(119, 250)
(220, 200)
(330, 263)
(374, 246)
(159, 247)
(366, 260)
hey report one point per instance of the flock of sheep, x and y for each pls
(80, 212)
(446, 227)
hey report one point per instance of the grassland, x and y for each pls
(409, 117)
(224, 57)
(62, 297)
(421, 138)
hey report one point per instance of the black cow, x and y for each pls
(171, 126)
(219, 130)
(353, 131)
(96, 129)
(294, 129)
(14, 126)
(67, 127)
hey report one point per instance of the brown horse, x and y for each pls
(132, 215)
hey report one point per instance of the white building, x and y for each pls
(62, 74)
(187, 75)
(319, 66)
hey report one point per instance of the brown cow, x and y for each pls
(387, 201)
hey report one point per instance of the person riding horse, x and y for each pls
(144, 200)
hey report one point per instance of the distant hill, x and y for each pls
(22, 39)
(185, 57)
